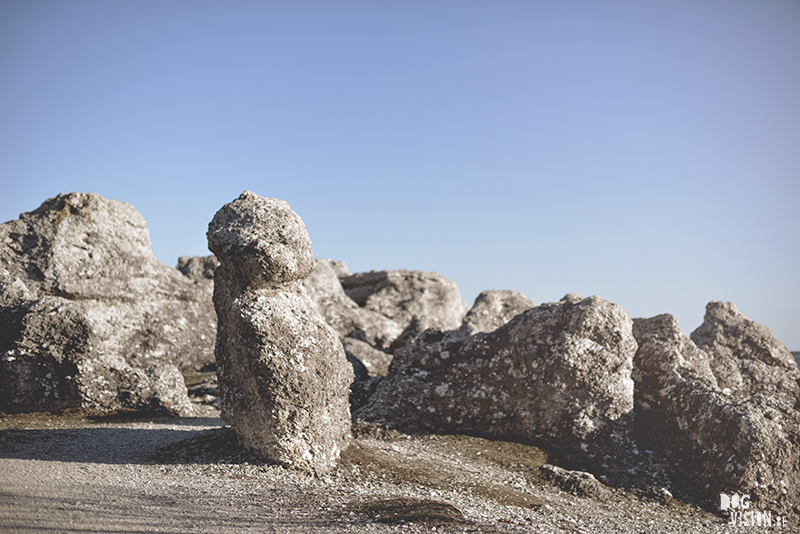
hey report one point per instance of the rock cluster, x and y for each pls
(282, 370)
(89, 318)
(717, 438)
(636, 402)
(376, 313)
(558, 374)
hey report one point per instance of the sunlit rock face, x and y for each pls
(720, 407)
(282, 371)
(558, 374)
(89, 318)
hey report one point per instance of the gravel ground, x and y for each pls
(77, 474)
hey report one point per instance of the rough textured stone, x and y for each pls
(339, 310)
(576, 482)
(557, 374)
(493, 309)
(376, 361)
(714, 442)
(282, 371)
(339, 267)
(745, 357)
(50, 363)
(393, 308)
(198, 268)
(262, 241)
(409, 302)
(95, 253)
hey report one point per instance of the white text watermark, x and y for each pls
(743, 516)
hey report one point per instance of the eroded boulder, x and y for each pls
(558, 374)
(377, 312)
(713, 440)
(50, 363)
(404, 304)
(95, 253)
(744, 356)
(494, 308)
(282, 371)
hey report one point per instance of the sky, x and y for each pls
(645, 152)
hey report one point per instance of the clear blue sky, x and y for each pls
(646, 152)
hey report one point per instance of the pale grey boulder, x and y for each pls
(282, 371)
(82, 246)
(404, 304)
(558, 374)
(95, 253)
(339, 310)
(51, 362)
(494, 308)
(714, 442)
(262, 241)
(392, 308)
(576, 482)
(744, 356)
(339, 267)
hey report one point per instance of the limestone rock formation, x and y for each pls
(198, 268)
(744, 356)
(391, 308)
(407, 302)
(376, 361)
(339, 310)
(558, 374)
(50, 363)
(93, 255)
(715, 442)
(282, 371)
(493, 309)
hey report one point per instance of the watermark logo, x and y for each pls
(743, 516)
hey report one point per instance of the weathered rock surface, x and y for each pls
(428, 300)
(576, 482)
(493, 309)
(376, 361)
(95, 254)
(339, 310)
(282, 371)
(381, 311)
(558, 375)
(714, 442)
(744, 356)
(198, 268)
(50, 363)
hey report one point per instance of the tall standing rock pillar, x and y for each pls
(283, 374)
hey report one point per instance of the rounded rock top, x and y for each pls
(261, 241)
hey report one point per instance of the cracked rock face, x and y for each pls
(397, 306)
(717, 440)
(557, 374)
(375, 313)
(493, 309)
(282, 371)
(90, 258)
(744, 356)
